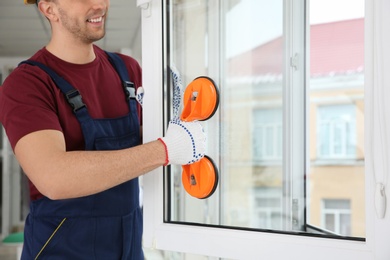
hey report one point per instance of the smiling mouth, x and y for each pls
(95, 20)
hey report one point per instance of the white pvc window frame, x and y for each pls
(241, 244)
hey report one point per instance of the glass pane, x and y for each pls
(336, 121)
(243, 45)
(239, 44)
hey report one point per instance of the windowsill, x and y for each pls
(338, 162)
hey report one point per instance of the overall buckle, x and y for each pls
(75, 100)
(129, 88)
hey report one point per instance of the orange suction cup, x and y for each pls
(201, 100)
(200, 179)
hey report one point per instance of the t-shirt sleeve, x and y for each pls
(27, 103)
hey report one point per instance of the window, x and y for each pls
(336, 216)
(227, 221)
(268, 208)
(267, 135)
(336, 131)
(258, 134)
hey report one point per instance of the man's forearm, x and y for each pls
(89, 172)
(58, 174)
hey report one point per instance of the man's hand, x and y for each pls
(185, 142)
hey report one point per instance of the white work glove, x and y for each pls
(139, 95)
(185, 142)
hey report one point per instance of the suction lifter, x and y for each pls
(201, 100)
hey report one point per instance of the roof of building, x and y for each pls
(335, 48)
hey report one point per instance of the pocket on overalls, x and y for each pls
(132, 225)
(72, 238)
(47, 234)
(118, 142)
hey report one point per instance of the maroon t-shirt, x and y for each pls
(30, 101)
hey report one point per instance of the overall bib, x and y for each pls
(107, 225)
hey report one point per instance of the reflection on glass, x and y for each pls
(241, 45)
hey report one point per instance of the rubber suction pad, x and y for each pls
(200, 179)
(201, 100)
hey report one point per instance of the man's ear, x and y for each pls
(48, 9)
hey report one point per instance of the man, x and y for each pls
(83, 160)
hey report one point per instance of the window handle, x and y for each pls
(145, 5)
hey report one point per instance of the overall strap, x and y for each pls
(72, 95)
(121, 69)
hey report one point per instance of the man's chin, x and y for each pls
(96, 38)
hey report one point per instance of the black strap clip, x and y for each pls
(129, 88)
(75, 100)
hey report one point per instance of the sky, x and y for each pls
(334, 10)
(253, 22)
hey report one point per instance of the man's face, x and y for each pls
(83, 19)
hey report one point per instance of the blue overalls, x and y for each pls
(107, 225)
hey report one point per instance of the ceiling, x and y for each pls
(23, 30)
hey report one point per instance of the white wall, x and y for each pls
(9, 62)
